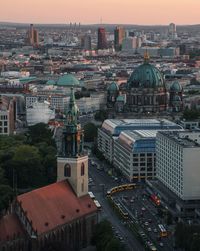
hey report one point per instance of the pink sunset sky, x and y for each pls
(110, 11)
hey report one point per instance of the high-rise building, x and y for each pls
(32, 36)
(102, 40)
(86, 43)
(172, 31)
(119, 35)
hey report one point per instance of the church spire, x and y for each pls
(73, 111)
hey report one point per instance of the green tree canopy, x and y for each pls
(40, 133)
(90, 132)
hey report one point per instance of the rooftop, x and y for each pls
(54, 205)
(116, 126)
(184, 138)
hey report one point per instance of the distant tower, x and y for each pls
(102, 41)
(172, 31)
(119, 35)
(86, 43)
(33, 37)
(72, 163)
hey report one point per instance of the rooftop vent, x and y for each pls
(62, 216)
(46, 224)
(89, 205)
(77, 210)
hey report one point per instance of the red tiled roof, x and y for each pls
(54, 205)
(10, 227)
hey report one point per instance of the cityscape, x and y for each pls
(100, 126)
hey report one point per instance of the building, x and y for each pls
(86, 42)
(172, 31)
(33, 36)
(39, 112)
(62, 212)
(102, 40)
(111, 129)
(146, 92)
(7, 115)
(135, 154)
(176, 97)
(177, 164)
(119, 35)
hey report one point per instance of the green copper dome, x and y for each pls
(146, 76)
(113, 87)
(68, 80)
(50, 82)
(176, 87)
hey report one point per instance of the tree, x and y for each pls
(26, 163)
(191, 114)
(114, 245)
(104, 239)
(6, 195)
(40, 133)
(101, 115)
(90, 132)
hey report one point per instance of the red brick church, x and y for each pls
(62, 212)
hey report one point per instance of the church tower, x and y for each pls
(72, 163)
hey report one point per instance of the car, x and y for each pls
(155, 230)
(150, 220)
(149, 229)
(146, 223)
(161, 244)
(143, 209)
(131, 201)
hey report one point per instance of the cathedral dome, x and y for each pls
(113, 87)
(176, 87)
(146, 76)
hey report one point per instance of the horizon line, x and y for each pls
(28, 23)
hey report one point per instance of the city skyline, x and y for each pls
(111, 11)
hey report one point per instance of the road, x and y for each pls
(101, 183)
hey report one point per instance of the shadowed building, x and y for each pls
(102, 41)
(119, 35)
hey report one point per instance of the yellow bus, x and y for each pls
(163, 232)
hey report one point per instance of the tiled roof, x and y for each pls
(54, 205)
(10, 228)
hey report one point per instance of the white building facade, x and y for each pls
(178, 157)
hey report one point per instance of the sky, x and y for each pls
(146, 12)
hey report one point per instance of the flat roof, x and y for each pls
(182, 138)
(116, 126)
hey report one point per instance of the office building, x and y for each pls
(111, 129)
(135, 154)
(86, 42)
(178, 172)
(119, 35)
(102, 40)
(172, 31)
(33, 36)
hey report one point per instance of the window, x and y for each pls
(82, 169)
(67, 170)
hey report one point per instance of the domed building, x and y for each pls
(146, 90)
(176, 97)
(68, 80)
(112, 94)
